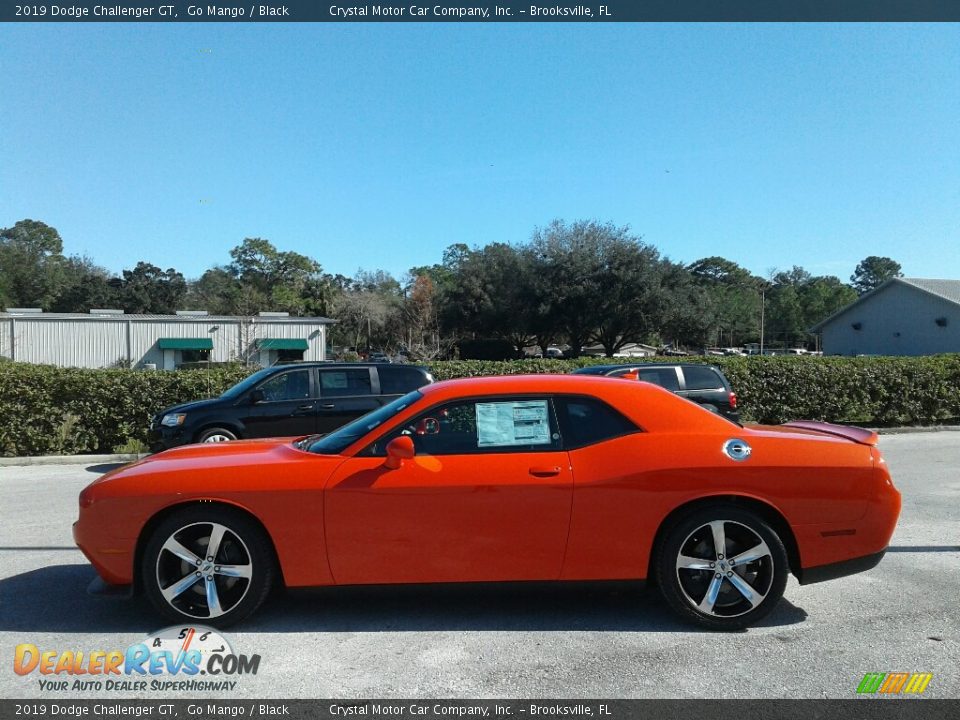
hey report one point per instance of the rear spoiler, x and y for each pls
(850, 432)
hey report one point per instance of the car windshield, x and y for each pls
(340, 438)
(241, 387)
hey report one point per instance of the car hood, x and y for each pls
(213, 469)
(189, 406)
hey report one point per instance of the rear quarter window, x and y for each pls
(401, 380)
(586, 421)
(702, 378)
(664, 377)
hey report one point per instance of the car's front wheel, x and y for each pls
(208, 564)
(723, 567)
(213, 435)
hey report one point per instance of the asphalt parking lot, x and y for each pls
(521, 641)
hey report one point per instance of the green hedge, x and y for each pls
(49, 410)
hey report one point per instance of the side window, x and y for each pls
(480, 426)
(585, 421)
(287, 386)
(697, 377)
(664, 377)
(400, 380)
(345, 383)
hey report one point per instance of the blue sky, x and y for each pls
(376, 146)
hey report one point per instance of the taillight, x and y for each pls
(733, 401)
(86, 498)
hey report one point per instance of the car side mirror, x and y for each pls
(398, 450)
(257, 396)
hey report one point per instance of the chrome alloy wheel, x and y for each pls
(204, 570)
(724, 569)
(217, 437)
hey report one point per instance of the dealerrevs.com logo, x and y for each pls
(185, 659)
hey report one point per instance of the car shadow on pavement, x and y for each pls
(55, 599)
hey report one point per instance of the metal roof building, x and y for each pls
(109, 338)
(903, 316)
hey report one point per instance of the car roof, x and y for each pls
(342, 365)
(647, 404)
(593, 369)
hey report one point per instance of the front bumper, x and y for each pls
(113, 564)
(161, 437)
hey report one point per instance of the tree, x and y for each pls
(821, 297)
(422, 322)
(273, 280)
(218, 292)
(604, 283)
(31, 264)
(732, 302)
(797, 300)
(262, 278)
(148, 289)
(567, 259)
(488, 297)
(86, 286)
(873, 271)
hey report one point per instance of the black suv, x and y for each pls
(703, 384)
(286, 400)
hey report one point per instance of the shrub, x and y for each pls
(45, 409)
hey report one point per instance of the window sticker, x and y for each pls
(525, 422)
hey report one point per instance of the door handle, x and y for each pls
(327, 406)
(308, 406)
(545, 471)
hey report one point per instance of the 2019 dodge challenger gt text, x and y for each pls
(501, 479)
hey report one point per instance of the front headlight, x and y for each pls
(173, 419)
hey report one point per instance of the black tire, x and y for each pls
(687, 590)
(222, 434)
(244, 549)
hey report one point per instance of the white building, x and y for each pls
(903, 316)
(109, 338)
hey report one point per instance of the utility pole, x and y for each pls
(763, 297)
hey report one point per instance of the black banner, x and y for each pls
(859, 709)
(466, 11)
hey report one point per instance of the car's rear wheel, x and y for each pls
(722, 567)
(208, 564)
(212, 435)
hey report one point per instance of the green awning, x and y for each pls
(283, 344)
(185, 343)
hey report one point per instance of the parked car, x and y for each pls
(286, 400)
(537, 477)
(703, 384)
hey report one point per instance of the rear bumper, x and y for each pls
(832, 571)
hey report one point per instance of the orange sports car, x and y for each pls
(547, 477)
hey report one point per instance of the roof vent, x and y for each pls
(274, 314)
(24, 311)
(105, 311)
(195, 313)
